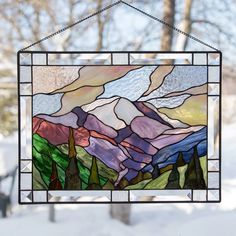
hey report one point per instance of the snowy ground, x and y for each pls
(158, 219)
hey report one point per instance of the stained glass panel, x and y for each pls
(119, 127)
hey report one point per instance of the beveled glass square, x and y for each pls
(26, 89)
(214, 58)
(214, 74)
(39, 59)
(200, 58)
(25, 59)
(26, 166)
(213, 179)
(26, 181)
(25, 74)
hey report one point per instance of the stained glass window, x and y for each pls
(119, 127)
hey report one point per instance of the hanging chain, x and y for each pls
(110, 6)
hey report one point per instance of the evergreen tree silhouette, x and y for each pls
(55, 183)
(156, 172)
(174, 177)
(194, 175)
(180, 161)
(94, 182)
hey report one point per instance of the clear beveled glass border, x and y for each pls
(28, 59)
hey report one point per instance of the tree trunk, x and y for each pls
(186, 25)
(121, 212)
(100, 26)
(71, 144)
(167, 32)
(52, 213)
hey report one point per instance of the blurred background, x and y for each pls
(22, 22)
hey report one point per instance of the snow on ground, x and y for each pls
(165, 220)
(146, 219)
(8, 160)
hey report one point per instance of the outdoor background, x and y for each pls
(23, 22)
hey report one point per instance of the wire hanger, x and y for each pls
(107, 8)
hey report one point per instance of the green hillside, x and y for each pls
(44, 153)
